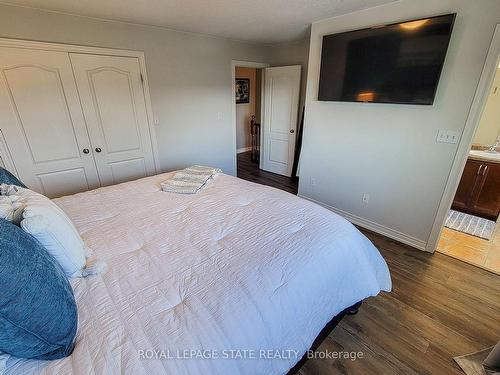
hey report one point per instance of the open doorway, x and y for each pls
(248, 88)
(471, 230)
(266, 123)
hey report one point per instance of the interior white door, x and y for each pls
(42, 122)
(281, 105)
(114, 106)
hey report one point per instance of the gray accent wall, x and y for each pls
(189, 77)
(389, 151)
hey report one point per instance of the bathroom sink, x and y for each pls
(486, 155)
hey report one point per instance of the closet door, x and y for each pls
(42, 122)
(113, 102)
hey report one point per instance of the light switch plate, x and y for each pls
(447, 136)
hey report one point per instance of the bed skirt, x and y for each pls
(352, 310)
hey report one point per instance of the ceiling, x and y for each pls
(259, 21)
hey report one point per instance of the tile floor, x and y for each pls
(471, 249)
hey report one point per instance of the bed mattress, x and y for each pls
(237, 279)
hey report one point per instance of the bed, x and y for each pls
(237, 279)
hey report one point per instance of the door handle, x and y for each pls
(479, 170)
(85, 151)
(485, 168)
(292, 131)
(98, 149)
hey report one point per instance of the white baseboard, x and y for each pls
(375, 227)
(244, 149)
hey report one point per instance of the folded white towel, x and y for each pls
(190, 180)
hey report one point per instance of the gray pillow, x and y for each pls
(38, 315)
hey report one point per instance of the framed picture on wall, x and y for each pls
(242, 90)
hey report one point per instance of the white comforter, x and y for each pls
(240, 272)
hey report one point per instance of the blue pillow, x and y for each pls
(8, 178)
(38, 316)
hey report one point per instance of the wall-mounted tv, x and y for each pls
(397, 63)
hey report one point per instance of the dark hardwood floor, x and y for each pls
(250, 171)
(439, 308)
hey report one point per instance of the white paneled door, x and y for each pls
(113, 102)
(281, 95)
(42, 122)
(73, 121)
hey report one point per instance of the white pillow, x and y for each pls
(6, 189)
(11, 208)
(48, 223)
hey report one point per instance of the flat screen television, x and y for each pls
(397, 63)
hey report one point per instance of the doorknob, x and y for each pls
(98, 149)
(292, 131)
(85, 150)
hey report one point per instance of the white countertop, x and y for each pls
(493, 157)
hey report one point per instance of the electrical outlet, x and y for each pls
(447, 136)
(313, 181)
(366, 198)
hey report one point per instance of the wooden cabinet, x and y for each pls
(486, 200)
(479, 190)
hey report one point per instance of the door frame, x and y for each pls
(244, 64)
(476, 110)
(6, 157)
(73, 48)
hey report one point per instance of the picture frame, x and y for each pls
(242, 90)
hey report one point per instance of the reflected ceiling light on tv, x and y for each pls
(411, 25)
(366, 96)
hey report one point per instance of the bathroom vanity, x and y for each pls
(478, 192)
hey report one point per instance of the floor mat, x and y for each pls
(474, 225)
(471, 364)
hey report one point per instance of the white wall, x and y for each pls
(189, 77)
(389, 151)
(292, 53)
(244, 111)
(489, 127)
